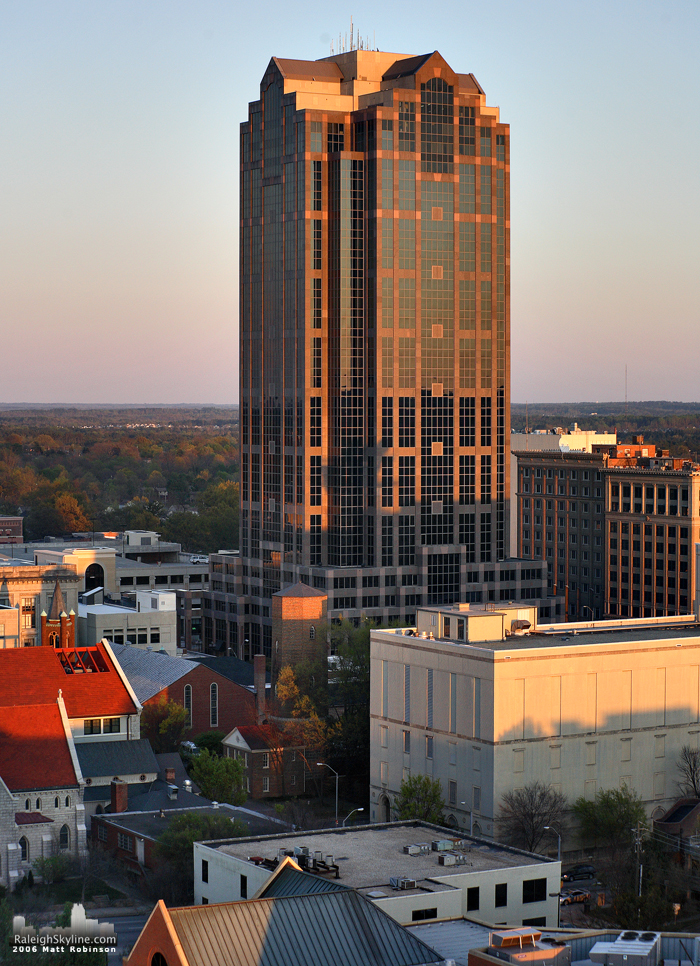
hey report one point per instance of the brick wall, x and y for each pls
(293, 639)
(236, 705)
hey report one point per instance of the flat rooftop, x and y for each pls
(370, 855)
(563, 635)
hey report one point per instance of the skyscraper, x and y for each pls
(375, 340)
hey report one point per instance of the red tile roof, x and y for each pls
(31, 818)
(34, 675)
(33, 747)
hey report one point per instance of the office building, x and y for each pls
(616, 529)
(496, 701)
(412, 871)
(375, 345)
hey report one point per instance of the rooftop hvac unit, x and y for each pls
(301, 850)
(447, 858)
(629, 949)
(407, 884)
(411, 849)
(424, 848)
(394, 881)
(442, 845)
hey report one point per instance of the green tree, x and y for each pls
(420, 797)
(164, 723)
(607, 819)
(220, 779)
(174, 846)
(525, 813)
(211, 741)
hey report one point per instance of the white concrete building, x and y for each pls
(413, 871)
(580, 707)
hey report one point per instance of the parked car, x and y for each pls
(574, 895)
(580, 871)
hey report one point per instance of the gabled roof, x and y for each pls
(149, 673)
(289, 880)
(43, 671)
(308, 69)
(99, 759)
(407, 66)
(31, 818)
(240, 672)
(300, 590)
(342, 928)
(34, 751)
(258, 738)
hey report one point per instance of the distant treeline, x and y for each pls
(674, 426)
(172, 470)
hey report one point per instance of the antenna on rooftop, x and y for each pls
(625, 390)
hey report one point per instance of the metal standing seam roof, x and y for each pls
(296, 882)
(100, 758)
(335, 927)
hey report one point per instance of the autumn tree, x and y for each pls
(525, 814)
(420, 797)
(164, 723)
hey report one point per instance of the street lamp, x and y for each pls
(352, 813)
(323, 764)
(550, 828)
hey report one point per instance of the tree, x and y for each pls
(420, 797)
(174, 846)
(220, 779)
(607, 819)
(164, 723)
(525, 812)
(211, 741)
(689, 768)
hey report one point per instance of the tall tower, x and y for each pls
(375, 339)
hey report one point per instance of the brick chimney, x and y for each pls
(170, 774)
(259, 681)
(119, 795)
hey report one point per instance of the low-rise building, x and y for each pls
(412, 871)
(274, 767)
(330, 927)
(11, 529)
(211, 698)
(151, 624)
(32, 591)
(495, 701)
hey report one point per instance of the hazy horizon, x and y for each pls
(120, 186)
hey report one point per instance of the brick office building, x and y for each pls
(615, 530)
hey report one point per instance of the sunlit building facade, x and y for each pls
(375, 345)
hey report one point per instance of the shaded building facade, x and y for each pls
(375, 343)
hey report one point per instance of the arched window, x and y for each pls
(24, 849)
(99, 810)
(64, 837)
(158, 959)
(188, 704)
(55, 802)
(67, 801)
(27, 805)
(214, 705)
(38, 804)
(53, 639)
